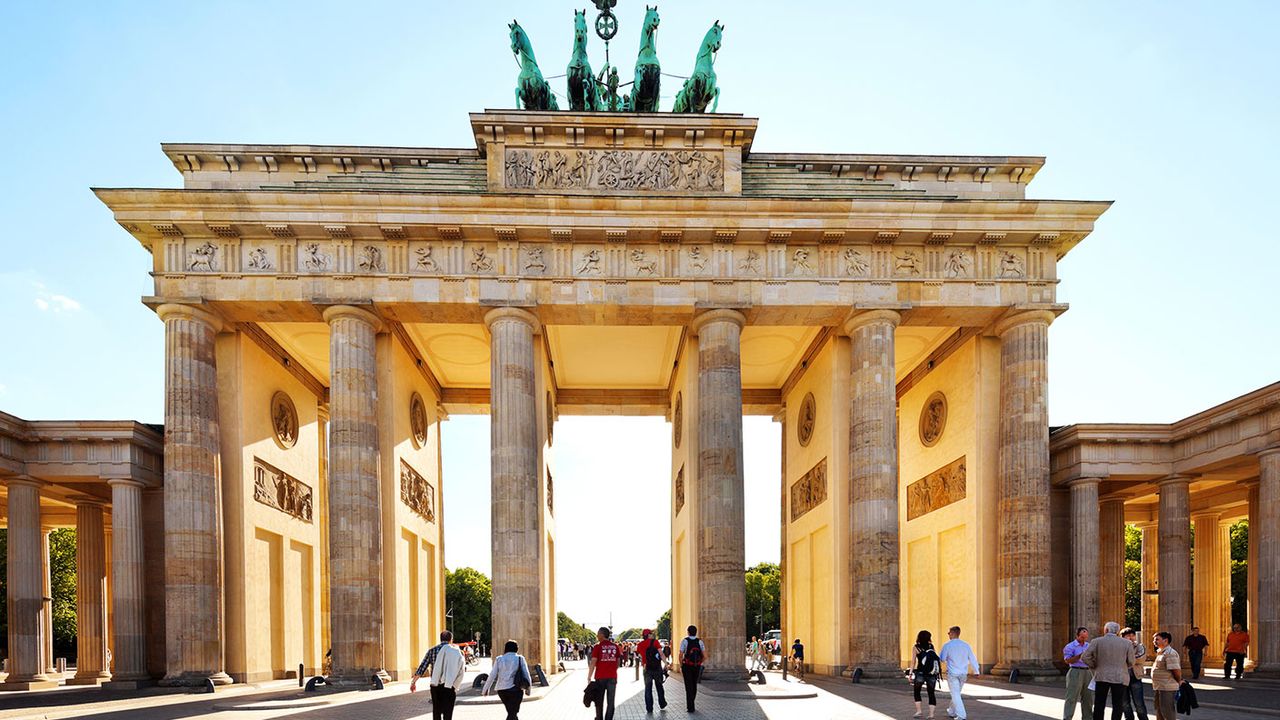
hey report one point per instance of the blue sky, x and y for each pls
(1168, 108)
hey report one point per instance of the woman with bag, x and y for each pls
(926, 671)
(510, 677)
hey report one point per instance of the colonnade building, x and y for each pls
(327, 307)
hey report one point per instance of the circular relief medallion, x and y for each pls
(677, 420)
(933, 419)
(284, 420)
(418, 420)
(808, 418)
(551, 419)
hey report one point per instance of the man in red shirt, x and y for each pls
(603, 669)
(650, 654)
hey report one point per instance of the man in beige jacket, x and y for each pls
(1110, 657)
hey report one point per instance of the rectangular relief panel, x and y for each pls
(937, 489)
(276, 488)
(809, 491)
(416, 493)
(625, 171)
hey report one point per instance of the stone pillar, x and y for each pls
(25, 588)
(1150, 584)
(355, 507)
(1267, 532)
(1111, 604)
(516, 541)
(195, 644)
(874, 637)
(50, 668)
(1251, 573)
(1174, 532)
(1207, 581)
(128, 585)
(1024, 599)
(91, 586)
(721, 539)
(1085, 602)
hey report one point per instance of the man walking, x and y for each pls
(1078, 677)
(958, 657)
(603, 668)
(650, 651)
(448, 668)
(1194, 644)
(1235, 650)
(429, 660)
(1110, 657)
(1137, 703)
(693, 652)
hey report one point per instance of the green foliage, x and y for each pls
(764, 595)
(62, 569)
(663, 626)
(468, 595)
(1239, 534)
(1133, 578)
(1132, 543)
(574, 631)
(631, 634)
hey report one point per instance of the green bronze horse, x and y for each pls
(584, 93)
(644, 91)
(701, 89)
(532, 91)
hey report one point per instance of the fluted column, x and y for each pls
(1268, 534)
(128, 583)
(1207, 581)
(1111, 561)
(91, 586)
(1085, 602)
(1024, 598)
(1150, 582)
(516, 544)
(721, 543)
(46, 655)
(1251, 573)
(355, 509)
(25, 588)
(195, 643)
(1174, 532)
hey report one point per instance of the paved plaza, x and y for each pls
(827, 700)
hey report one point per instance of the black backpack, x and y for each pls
(927, 664)
(653, 656)
(693, 652)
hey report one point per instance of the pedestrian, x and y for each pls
(765, 656)
(510, 677)
(603, 668)
(693, 653)
(655, 670)
(958, 657)
(753, 652)
(1110, 657)
(1236, 648)
(1166, 676)
(797, 657)
(925, 674)
(428, 660)
(1079, 677)
(1194, 644)
(1136, 703)
(447, 670)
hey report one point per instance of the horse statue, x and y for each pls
(532, 92)
(584, 92)
(644, 91)
(700, 89)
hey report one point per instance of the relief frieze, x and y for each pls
(416, 493)
(937, 489)
(275, 488)
(692, 171)
(809, 491)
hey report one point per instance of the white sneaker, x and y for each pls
(951, 713)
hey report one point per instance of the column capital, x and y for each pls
(23, 481)
(512, 313)
(1211, 515)
(191, 312)
(860, 318)
(717, 315)
(125, 482)
(87, 501)
(1176, 478)
(1084, 480)
(1274, 449)
(334, 312)
(1018, 317)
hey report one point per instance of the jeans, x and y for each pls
(690, 673)
(610, 686)
(1078, 692)
(1197, 660)
(1117, 691)
(1136, 702)
(955, 683)
(442, 699)
(511, 699)
(1238, 659)
(930, 682)
(652, 678)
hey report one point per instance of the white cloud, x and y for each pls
(42, 304)
(46, 301)
(65, 303)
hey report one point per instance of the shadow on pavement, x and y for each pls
(897, 701)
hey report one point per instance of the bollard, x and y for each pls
(377, 682)
(301, 680)
(312, 683)
(208, 685)
(539, 676)
(784, 664)
(857, 675)
(1013, 676)
(480, 680)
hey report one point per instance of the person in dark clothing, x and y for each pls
(1194, 644)
(926, 671)
(655, 671)
(693, 653)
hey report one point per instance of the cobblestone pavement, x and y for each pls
(835, 701)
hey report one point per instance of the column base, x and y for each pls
(195, 679)
(91, 680)
(136, 684)
(874, 672)
(28, 685)
(354, 680)
(1028, 671)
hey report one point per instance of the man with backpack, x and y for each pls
(655, 672)
(693, 653)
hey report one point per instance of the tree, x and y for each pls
(630, 634)
(62, 571)
(1239, 533)
(663, 626)
(764, 585)
(569, 628)
(469, 596)
(1133, 578)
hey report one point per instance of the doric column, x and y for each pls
(1110, 562)
(355, 508)
(874, 642)
(46, 655)
(1251, 574)
(91, 587)
(1267, 532)
(1150, 583)
(192, 500)
(721, 543)
(128, 583)
(1207, 581)
(1024, 598)
(516, 544)
(1174, 532)
(25, 588)
(1085, 602)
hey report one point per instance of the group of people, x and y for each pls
(1233, 651)
(1111, 666)
(602, 670)
(509, 677)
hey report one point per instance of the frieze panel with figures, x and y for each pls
(692, 171)
(276, 488)
(416, 493)
(937, 489)
(809, 491)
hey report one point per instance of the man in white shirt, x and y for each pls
(958, 657)
(446, 680)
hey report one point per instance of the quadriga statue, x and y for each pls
(700, 89)
(532, 91)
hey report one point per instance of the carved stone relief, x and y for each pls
(906, 263)
(425, 261)
(855, 263)
(258, 259)
(416, 493)
(551, 419)
(809, 491)
(1011, 265)
(480, 260)
(958, 264)
(418, 421)
(680, 490)
(284, 420)
(657, 170)
(937, 489)
(697, 261)
(314, 259)
(589, 264)
(751, 263)
(642, 263)
(371, 259)
(275, 488)
(807, 420)
(933, 419)
(203, 259)
(677, 420)
(800, 262)
(533, 259)
(551, 489)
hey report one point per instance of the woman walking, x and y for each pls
(926, 671)
(510, 677)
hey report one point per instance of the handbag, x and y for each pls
(521, 679)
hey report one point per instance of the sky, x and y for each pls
(1168, 108)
